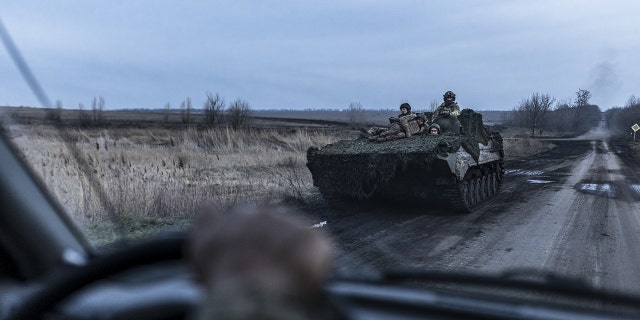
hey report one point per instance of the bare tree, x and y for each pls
(100, 114)
(238, 112)
(518, 118)
(83, 116)
(167, 111)
(213, 109)
(620, 120)
(189, 108)
(97, 108)
(580, 104)
(632, 101)
(94, 110)
(185, 110)
(55, 114)
(535, 108)
(58, 110)
(582, 98)
(356, 114)
(433, 105)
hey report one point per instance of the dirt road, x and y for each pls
(573, 211)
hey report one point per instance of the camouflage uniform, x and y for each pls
(407, 129)
(396, 125)
(422, 128)
(448, 107)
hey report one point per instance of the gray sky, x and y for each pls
(322, 54)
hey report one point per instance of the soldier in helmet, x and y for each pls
(422, 122)
(396, 125)
(405, 113)
(449, 108)
(434, 129)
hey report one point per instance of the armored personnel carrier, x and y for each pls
(461, 168)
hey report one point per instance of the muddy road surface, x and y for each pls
(573, 211)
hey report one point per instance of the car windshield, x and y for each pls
(523, 159)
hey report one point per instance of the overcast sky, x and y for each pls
(322, 54)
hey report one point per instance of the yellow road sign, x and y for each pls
(635, 127)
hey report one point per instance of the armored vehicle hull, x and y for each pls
(460, 171)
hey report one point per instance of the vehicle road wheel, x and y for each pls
(474, 192)
(493, 183)
(485, 187)
(466, 195)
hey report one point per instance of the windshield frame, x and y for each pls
(33, 227)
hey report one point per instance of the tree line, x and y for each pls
(620, 120)
(540, 113)
(85, 117)
(214, 112)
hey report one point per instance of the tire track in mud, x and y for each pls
(392, 242)
(523, 234)
(601, 244)
(567, 230)
(573, 252)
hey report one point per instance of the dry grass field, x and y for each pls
(524, 146)
(159, 177)
(156, 177)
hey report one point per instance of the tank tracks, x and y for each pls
(473, 191)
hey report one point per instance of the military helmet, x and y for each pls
(449, 94)
(422, 116)
(434, 125)
(406, 105)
